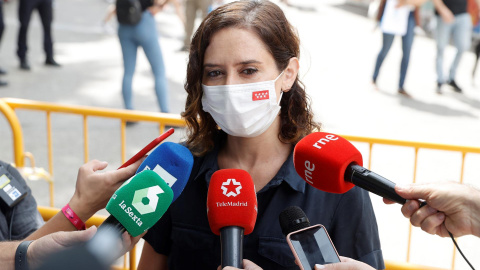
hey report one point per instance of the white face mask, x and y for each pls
(242, 110)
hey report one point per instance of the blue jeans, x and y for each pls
(407, 41)
(143, 34)
(461, 30)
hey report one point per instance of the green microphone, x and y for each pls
(138, 204)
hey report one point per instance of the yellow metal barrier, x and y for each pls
(8, 105)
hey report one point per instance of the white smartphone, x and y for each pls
(311, 246)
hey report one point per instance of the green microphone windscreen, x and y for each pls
(140, 203)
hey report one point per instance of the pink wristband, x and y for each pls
(74, 219)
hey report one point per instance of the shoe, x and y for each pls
(455, 86)
(52, 62)
(3, 83)
(24, 64)
(2, 71)
(439, 88)
(404, 93)
(130, 123)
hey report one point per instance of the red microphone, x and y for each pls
(232, 212)
(331, 163)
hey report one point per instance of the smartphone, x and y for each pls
(311, 246)
(147, 148)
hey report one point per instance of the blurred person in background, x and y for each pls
(45, 10)
(2, 27)
(396, 18)
(191, 9)
(144, 34)
(453, 20)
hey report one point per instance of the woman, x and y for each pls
(144, 34)
(242, 49)
(413, 18)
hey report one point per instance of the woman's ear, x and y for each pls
(290, 74)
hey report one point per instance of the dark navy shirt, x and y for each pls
(183, 233)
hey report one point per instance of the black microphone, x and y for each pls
(232, 212)
(96, 254)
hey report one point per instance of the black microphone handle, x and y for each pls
(231, 239)
(370, 181)
(111, 223)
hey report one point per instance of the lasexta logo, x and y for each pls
(146, 200)
(231, 187)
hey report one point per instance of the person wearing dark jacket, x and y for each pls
(45, 10)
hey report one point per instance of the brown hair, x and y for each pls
(268, 21)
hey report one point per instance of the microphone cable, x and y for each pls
(459, 250)
(422, 204)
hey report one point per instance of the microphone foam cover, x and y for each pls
(321, 160)
(140, 203)
(231, 200)
(293, 219)
(173, 163)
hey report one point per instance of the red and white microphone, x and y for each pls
(331, 163)
(232, 212)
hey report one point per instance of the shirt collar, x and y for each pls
(287, 172)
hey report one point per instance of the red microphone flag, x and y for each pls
(231, 200)
(321, 160)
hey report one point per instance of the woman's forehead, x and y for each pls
(234, 44)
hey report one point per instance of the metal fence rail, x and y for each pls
(9, 105)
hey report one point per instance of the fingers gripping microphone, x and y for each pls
(232, 212)
(137, 205)
(331, 163)
(173, 163)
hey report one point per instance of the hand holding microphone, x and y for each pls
(94, 189)
(141, 201)
(232, 212)
(459, 205)
(330, 163)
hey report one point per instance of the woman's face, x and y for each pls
(238, 56)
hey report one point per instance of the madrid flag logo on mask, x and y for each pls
(260, 95)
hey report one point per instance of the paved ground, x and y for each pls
(339, 47)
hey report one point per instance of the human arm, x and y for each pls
(416, 3)
(346, 264)
(445, 13)
(38, 249)
(111, 10)
(92, 192)
(151, 260)
(459, 205)
(180, 12)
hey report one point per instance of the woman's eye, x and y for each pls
(213, 73)
(249, 71)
